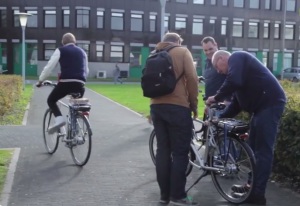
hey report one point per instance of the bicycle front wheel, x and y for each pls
(236, 162)
(50, 140)
(82, 141)
(153, 147)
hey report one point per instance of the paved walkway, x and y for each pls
(119, 172)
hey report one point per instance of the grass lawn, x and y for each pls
(5, 157)
(131, 96)
(15, 116)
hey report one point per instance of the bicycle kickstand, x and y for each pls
(199, 178)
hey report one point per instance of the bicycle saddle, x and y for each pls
(75, 95)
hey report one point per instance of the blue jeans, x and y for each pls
(263, 131)
(173, 127)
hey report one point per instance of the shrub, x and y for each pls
(10, 91)
(287, 149)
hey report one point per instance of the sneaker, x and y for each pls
(59, 122)
(240, 188)
(184, 201)
(164, 201)
(256, 200)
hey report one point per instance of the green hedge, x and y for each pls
(10, 91)
(287, 151)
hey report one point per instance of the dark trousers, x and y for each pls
(60, 91)
(173, 128)
(263, 132)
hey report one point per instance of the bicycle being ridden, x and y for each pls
(219, 148)
(77, 134)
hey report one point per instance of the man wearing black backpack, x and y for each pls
(172, 119)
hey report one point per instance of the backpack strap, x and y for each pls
(181, 75)
(168, 48)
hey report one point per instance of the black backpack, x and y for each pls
(158, 76)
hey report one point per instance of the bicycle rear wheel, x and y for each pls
(153, 147)
(82, 142)
(236, 161)
(50, 140)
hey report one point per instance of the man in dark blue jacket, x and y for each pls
(74, 70)
(213, 79)
(256, 91)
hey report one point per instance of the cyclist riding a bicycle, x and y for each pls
(74, 70)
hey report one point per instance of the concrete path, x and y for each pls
(119, 172)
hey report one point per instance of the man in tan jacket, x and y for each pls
(172, 119)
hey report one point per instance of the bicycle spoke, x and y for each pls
(50, 140)
(81, 148)
(236, 168)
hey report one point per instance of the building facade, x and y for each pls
(126, 31)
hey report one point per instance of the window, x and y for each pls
(16, 18)
(100, 18)
(212, 25)
(3, 20)
(213, 2)
(276, 31)
(238, 3)
(266, 30)
(166, 23)
(136, 22)
(33, 19)
(223, 27)
(181, 1)
(275, 61)
(225, 2)
(180, 24)
(237, 29)
(117, 21)
(66, 18)
(288, 60)
(4, 55)
(298, 58)
(82, 18)
(265, 58)
(254, 4)
(31, 54)
(197, 26)
(253, 30)
(267, 4)
(85, 47)
(116, 53)
(198, 1)
(152, 23)
(299, 33)
(49, 48)
(50, 19)
(99, 51)
(290, 5)
(289, 31)
(135, 54)
(278, 5)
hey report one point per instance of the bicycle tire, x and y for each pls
(238, 165)
(81, 149)
(152, 149)
(50, 140)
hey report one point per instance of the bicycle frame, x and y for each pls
(210, 142)
(71, 122)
